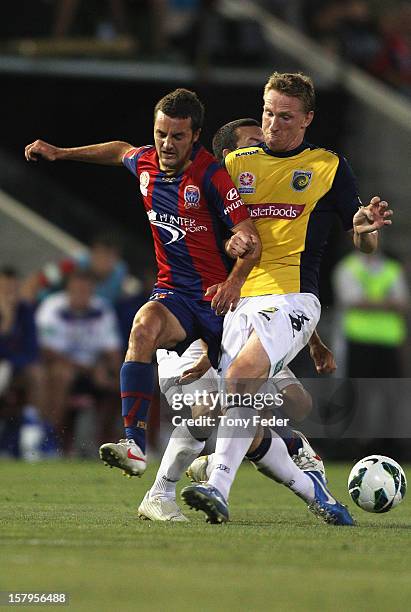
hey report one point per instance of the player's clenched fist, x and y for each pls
(39, 148)
(241, 244)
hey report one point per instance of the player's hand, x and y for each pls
(323, 358)
(197, 370)
(40, 149)
(225, 296)
(372, 217)
(241, 244)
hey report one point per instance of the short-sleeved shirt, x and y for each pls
(293, 197)
(82, 337)
(190, 215)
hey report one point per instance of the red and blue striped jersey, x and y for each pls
(190, 216)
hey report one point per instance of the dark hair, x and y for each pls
(9, 272)
(180, 104)
(226, 137)
(293, 84)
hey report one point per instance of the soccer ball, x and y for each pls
(377, 484)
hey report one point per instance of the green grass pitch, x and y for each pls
(72, 526)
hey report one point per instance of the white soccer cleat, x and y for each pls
(307, 459)
(200, 469)
(160, 509)
(125, 455)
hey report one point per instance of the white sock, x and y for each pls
(181, 450)
(233, 441)
(278, 465)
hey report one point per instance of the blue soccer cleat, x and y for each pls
(207, 498)
(325, 506)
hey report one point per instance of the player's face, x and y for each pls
(284, 121)
(249, 135)
(174, 139)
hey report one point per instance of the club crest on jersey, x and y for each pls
(144, 181)
(191, 196)
(246, 182)
(301, 179)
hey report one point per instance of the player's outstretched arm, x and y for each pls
(106, 153)
(367, 221)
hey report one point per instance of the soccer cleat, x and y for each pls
(199, 470)
(160, 509)
(125, 455)
(307, 459)
(325, 506)
(207, 498)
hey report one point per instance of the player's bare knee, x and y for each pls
(144, 336)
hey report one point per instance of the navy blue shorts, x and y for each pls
(196, 317)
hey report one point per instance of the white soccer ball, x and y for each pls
(377, 484)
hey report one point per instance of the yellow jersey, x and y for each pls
(293, 198)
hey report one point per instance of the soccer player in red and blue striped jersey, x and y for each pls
(192, 206)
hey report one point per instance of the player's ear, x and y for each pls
(308, 119)
(226, 152)
(196, 135)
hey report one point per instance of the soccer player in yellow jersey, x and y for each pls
(293, 190)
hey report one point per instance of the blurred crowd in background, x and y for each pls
(372, 34)
(63, 334)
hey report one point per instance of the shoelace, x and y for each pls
(304, 460)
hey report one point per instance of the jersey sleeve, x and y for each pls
(130, 159)
(344, 193)
(223, 194)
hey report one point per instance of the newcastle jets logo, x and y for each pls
(301, 179)
(191, 196)
(176, 233)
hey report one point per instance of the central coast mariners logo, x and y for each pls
(301, 179)
(191, 196)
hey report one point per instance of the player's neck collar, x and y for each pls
(302, 147)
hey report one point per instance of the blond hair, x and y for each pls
(293, 84)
